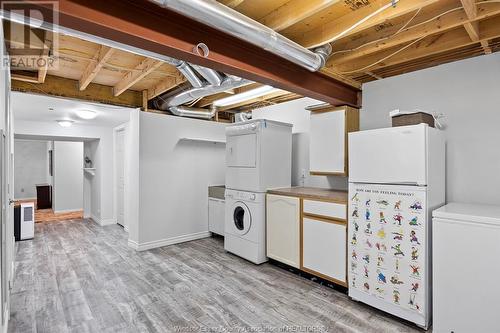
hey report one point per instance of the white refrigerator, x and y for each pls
(396, 179)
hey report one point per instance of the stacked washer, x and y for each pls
(258, 158)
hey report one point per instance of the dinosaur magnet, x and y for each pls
(397, 205)
(366, 286)
(397, 236)
(381, 247)
(366, 258)
(414, 253)
(395, 296)
(413, 237)
(383, 202)
(355, 197)
(354, 239)
(381, 277)
(380, 261)
(414, 286)
(356, 226)
(382, 217)
(396, 280)
(398, 218)
(355, 213)
(416, 206)
(414, 221)
(354, 255)
(415, 270)
(381, 233)
(367, 215)
(366, 271)
(368, 243)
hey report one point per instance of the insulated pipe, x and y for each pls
(189, 74)
(209, 74)
(182, 96)
(184, 111)
(220, 17)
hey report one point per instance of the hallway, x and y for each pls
(77, 276)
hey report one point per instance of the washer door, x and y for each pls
(242, 220)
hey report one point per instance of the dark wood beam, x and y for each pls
(143, 24)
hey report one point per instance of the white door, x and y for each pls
(241, 151)
(120, 177)
(396, 155)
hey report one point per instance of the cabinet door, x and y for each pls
(327, 142)
(216, 216)
(324, 249)
(283, 229)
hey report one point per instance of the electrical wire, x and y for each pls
(414, 42)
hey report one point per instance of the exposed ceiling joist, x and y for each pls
(103, 54)
(142, 24)
(450, 40)
(325, 33)
(68, 88)
(472, 28)
(145, 67)
(165, 85)
(293, 12)
(446, 22)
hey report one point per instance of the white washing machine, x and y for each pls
(245, 225)
(258, 155)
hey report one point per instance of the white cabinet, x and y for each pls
(324, 249)
(216, 215)
(328, 139)
(283, 229)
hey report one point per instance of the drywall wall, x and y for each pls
(174, 176)
(132, 188)
(31, 167)
(68, 176)
(468, 93)
(102, 182)
(294, 112)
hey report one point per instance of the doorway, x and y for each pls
(120, 134)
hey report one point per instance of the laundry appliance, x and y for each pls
(258, 158)
(396, 179)
(245, 227)
(258, 155)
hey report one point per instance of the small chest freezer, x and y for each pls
(466, 268)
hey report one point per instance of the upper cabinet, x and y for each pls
(328, 151)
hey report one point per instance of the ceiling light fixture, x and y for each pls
(245, 96)
(86, 114)
(65, 123)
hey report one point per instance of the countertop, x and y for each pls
(313, 193)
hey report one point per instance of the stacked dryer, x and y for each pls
(258, 158)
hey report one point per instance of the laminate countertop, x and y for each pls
(313, 193)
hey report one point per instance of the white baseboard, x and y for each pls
(67, 211)
(168, 241)
(133, 244)
(103, 222)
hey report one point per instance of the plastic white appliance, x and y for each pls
(245, 227)
(396, 179)
(258, 155)
(27, 220)
(466, 269)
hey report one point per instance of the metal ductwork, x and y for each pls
(185, 111)
(189, 74)
(173, 101)
(242, 116)
(218, 16)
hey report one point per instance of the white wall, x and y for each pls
(102, 183)
(174, 177)
(468, 93)
(31, 167)
(294, 112)
(68, 176)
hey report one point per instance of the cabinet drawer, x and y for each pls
(324, 249)
(327, 209)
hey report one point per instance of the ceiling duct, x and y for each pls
(218, 16)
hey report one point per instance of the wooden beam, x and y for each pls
(434, 44)
(324, 33)
(143, 24)
(165, 85)
(24, 77)
(103, 54)
(145, 100)
(231, 3)
(294, 11)
(447, 22)
(145, 67)
(472, 28)
(42, 71)
(68, 88)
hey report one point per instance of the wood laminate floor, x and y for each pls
(48, 215)
(77, 276)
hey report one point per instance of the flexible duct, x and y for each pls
(220, 17)
(184, 111)
(209, 74)
(182, 96)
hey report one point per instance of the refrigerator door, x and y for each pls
(396, 155)
(388, 249)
